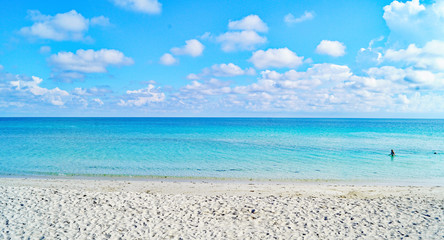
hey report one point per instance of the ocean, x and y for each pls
(226, 148)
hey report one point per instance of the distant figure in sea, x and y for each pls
(392, 153)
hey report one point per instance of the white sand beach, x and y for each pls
(38, 208)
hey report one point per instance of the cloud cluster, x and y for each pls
(192, 48)
(431, 56)
(321, 88)
(29, 94)
(413, 22)
(63, 26)
(142, 97)
(75, 65)
(247, 37)
(405, 72)
(143, 6)
(54, 96)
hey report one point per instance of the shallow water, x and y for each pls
(259, 148)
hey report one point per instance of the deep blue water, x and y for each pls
(259, 148)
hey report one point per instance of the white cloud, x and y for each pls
(1, 67)
(330, 87)
(168, 59)
(290, 19)
(244, 40)
(323, 87)
(247, 38)
(229, 70)
(53, 96)
(400, 9)
(144, 6)
(63, 26)
(192, 47)
(411, 78)
(250, 22)
(142, 97)
(431, 56)
(320, 74)
(223, 70)
(332, 48)
(29, 94)
(412, 21)
(277, 57)
(88, 61)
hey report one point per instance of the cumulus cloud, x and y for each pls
(332, 48)
(275, 82)
(245, 39)
(143, 6)
(273, 91)
(62, 26)
(53, 96)
(275, 57)
(250, 22)
(412, 21)
(411, 78)
(168, 59)
(192, 48)
(142, 97)
(322, 87)
(30, 95)
(223, 70)
(431, 56)
(87, 61)
(290, 19)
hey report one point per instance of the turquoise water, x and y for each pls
(258, 148)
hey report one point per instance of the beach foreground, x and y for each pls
(112, 209)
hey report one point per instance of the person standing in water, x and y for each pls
(392, 153)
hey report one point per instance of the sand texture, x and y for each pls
(154, 209)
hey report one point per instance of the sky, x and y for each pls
(226, 58)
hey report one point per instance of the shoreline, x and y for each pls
(54, 208)
(171, 186)
(354, 182)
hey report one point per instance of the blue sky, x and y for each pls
(222, 58)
